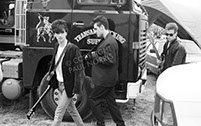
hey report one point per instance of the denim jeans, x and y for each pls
(66, 103)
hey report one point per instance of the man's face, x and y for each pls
(60, 36)
(98, 30)
(171, 35)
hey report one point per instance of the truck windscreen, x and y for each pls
(101, 2)
(7, 13)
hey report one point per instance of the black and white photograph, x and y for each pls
(100, 63)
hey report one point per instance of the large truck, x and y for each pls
(26, 47)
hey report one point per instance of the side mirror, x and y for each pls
(152, 51)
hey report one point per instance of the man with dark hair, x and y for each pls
(104, 73)
(68, 81)
(174, 52)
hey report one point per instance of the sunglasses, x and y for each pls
(171, 34)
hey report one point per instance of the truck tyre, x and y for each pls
(49, 102)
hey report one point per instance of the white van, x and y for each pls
(178, 96)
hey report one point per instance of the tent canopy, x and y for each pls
(187, 14)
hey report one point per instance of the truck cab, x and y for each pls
(127, 23)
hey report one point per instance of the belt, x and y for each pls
(61, 86)
(59, 82)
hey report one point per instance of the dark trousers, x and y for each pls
(98, 94)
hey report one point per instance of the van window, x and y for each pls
(101, 2)
(7, 12)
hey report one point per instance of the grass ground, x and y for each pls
(13, 113)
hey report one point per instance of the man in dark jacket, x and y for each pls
(174, 52)
(104, 73)
(68, 75)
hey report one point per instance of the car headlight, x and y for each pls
(164, 113)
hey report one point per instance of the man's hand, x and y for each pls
(93, 54)
(90, 56)
(50, 75)
(158, 62)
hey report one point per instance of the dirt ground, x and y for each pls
(14, 113)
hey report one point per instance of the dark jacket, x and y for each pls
(72, 68)
(173, 55)
(105, 64)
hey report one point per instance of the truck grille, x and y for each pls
(142, 52)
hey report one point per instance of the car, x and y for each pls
(193, 53)
(177, 98)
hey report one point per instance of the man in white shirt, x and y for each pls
(69, 82)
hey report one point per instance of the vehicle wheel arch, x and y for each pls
(41, 70)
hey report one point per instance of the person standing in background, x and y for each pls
(174, 52)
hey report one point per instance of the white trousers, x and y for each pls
(66, 103)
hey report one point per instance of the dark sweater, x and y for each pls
(105, 64)
(173, 55)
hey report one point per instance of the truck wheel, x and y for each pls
(49, 102)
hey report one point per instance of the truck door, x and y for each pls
(84, 36)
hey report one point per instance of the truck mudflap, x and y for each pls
(135, 88)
